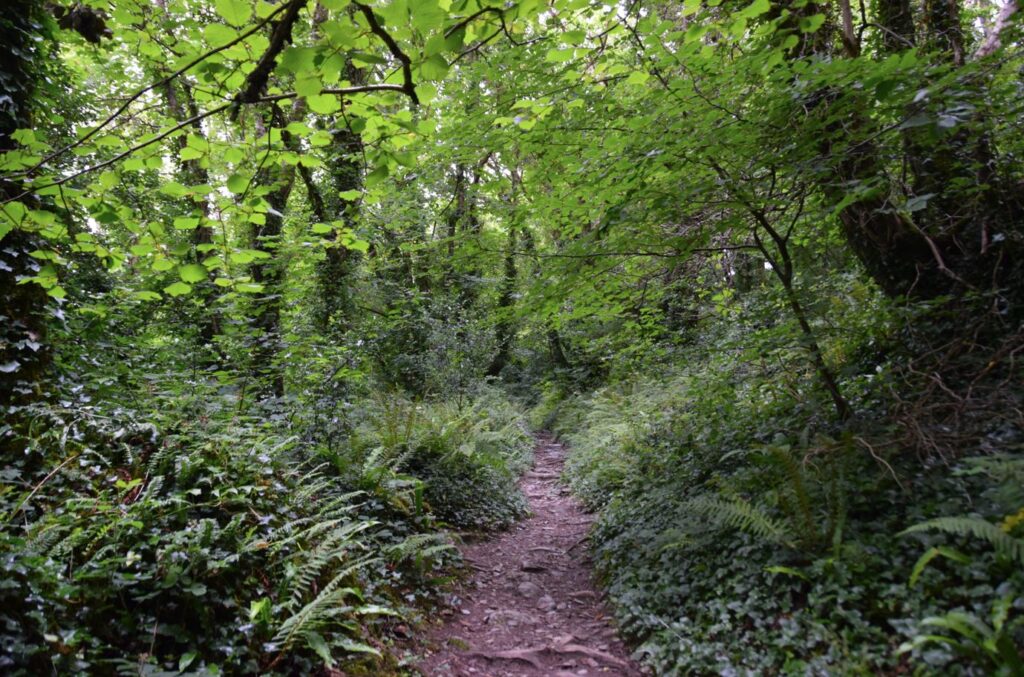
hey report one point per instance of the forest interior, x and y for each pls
(511, 337)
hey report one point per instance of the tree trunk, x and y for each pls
(334, 303)
(182, 106)
(966, 236)
(269, 272)
(25, 354)
(504, 330)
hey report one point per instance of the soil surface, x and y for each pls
(530, 606)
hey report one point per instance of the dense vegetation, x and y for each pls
(286, 284)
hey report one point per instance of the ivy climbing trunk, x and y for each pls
(269, 271)
(965, 232)
(182, 106)
(25, 353)
(341, 206)
(504, 329)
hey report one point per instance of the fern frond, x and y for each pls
(333, 547)
(739, 513)
(975, 527)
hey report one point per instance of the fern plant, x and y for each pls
(787, 512)
(738, 513)
(990, 644)
(978, 528)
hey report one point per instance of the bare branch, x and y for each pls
(409, 87)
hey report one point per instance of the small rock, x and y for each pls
(528, 589)
(546, 603)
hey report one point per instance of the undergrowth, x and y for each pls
(743, 532)
(171, 541)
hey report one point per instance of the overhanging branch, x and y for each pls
(408, 86)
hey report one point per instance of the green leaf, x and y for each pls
(324, 104)
(235, 12)
(186, 660)
(308, 86)
(238, 183)
(319, 646)
(812, 23)
(178, 289)
(218, 34)
(434, 68)
(162, 264)
(321, 228)
(559, 55)
(259, 610)
(193, 272)
(186, 222)
(376, 176)
(358, 245)
(298, 60)
(757, 8)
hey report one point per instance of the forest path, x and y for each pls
(530, 607)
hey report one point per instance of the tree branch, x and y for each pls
(993, 40)
(256, 81)
(408, 87)
(159, 83)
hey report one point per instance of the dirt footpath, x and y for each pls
(530, 606)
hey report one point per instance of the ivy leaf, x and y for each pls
(186, 660)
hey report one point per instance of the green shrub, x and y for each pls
(742, 532)
(214, 546)
(468, 456)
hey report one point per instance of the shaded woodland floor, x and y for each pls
(530, 606)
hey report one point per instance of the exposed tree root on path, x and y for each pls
(530, 607)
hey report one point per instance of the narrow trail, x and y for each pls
(530, 607)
